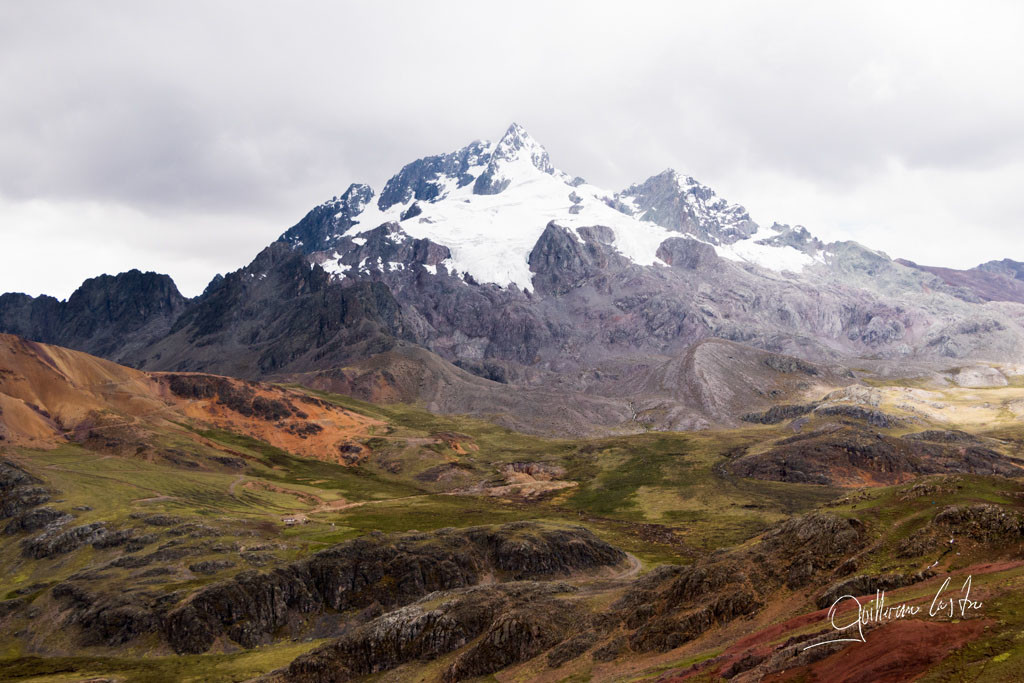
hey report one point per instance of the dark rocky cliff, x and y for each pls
(109, 315)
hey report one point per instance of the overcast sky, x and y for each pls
(183, 137)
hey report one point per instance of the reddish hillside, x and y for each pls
(50, 395)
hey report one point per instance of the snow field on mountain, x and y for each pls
(491, 235)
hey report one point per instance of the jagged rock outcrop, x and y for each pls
(943, 436)
(36, 519)
(777, 414)
(111, 620)
(871, 416)
(425, 179)
(1008, 267)
(238, 396)
(19, 490)
(109, 315)
(561, 261)
(278, 313)
(58, 540)
(682, 204)
(682, 252)
(382, 250)
(318, 229)
(509, 623)
(983, 522)
(251, 607)
(798, 237)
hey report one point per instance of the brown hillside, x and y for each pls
(50, 395)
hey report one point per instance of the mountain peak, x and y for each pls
(516, 143)
(515, 154)
(516, 137)
(681, 203)
(670, 176)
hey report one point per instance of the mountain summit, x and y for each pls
(514, 158)
(489, 204)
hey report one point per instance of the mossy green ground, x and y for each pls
(665, 497)
(242, 666)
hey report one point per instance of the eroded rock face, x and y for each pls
(425, 178)
(384, 571)
(674, 605)
(943, 436)
(561, 262)
(57, 540)
(510, 623)
(680, 252)
(819, 538)
(317, 228)
(236, 395)
(251, 606)
(109, 315)
(875, 418)
(985, 523)
(111, 620)
(276, 313)
(540, 471)
(35, 519)
(19, 490)
(777, 414)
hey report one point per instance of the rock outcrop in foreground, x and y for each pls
(358, 580)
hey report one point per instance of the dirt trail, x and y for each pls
(154, 499)
(632, 569)
(610, 578)
(319, 504)
(231, 487)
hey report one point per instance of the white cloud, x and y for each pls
(49, 247)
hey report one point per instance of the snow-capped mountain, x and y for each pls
(489, 203)
(596, 305)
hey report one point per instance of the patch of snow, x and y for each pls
(780, 259)
(491, 236)
(333, 266)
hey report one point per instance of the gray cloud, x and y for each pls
(184, 136)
